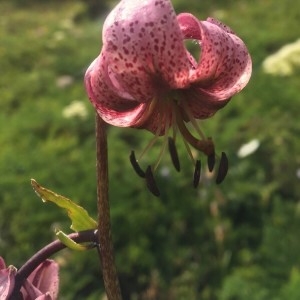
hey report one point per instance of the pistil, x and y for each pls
(205, 145)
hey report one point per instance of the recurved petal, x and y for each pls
(192, 28)
(144, 47)
(45, 278)
(203, 104)
(234, 67)
(225, 65)
(114, 105)
(7, 280)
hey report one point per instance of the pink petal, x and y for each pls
(2, 263)
(29, 291)
(225, 64)
(45, 278)
(202, 104)
(113, 104)
(143, 45)
(7, 280)
(46, 296)
(221, 25)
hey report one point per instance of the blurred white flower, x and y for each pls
(59, 35)
(284, 61)
(165, 171)
(298, 173)
(75, 109)
(64, 81)
(67, 23)
(248, 148)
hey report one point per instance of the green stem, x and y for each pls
(109, 271)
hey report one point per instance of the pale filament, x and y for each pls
(192, 119)
(152, 141)
(175, 128)
(206, 146)
(166, 134)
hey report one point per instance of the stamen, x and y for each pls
(152, 141)
(150, 181)
(211, 160)
(197, 173)
(223, 168)
(150, 144)
(173, 153)
(192, 119)
(188, 149)
(174, 123)
(163, 148)
(135, 165)
(206, 146)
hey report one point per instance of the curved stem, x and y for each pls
(110, 278)
(46, 252)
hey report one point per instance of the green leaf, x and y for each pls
(71, 244)
(78, 215)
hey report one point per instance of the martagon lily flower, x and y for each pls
(42, 283)
(7, 279)
(146, 78)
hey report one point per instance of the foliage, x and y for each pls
(234, 241)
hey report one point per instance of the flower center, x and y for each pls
(173, 115)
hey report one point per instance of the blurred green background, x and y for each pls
(239, 240)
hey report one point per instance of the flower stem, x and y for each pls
(109, 271)
(46, 252)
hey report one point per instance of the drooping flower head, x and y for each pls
(42, 283)
(146, 78)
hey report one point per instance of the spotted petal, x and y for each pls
(142, 56)
(114, 105)
(142, 39)
(144, 59)
(224, 67)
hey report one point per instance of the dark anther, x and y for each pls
(150, 181)
(174, 154)
(197, 173)
(135, 165)
(211, 159)
(223, 168)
